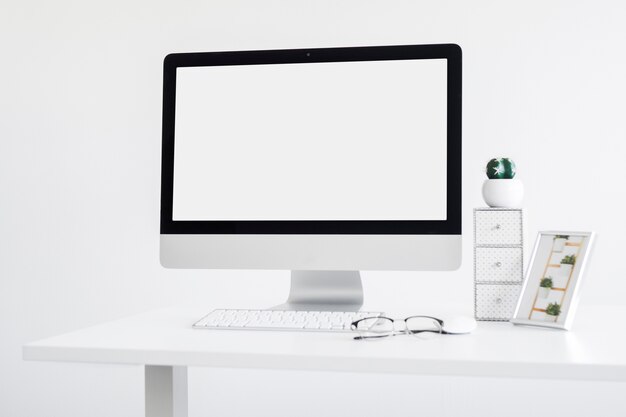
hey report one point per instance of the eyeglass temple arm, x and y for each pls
(394, 333)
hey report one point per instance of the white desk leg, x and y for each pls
(166, 391)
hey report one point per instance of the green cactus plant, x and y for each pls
(500, 169)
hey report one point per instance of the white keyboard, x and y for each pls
(320, 321)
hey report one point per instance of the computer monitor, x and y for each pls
(324, 162)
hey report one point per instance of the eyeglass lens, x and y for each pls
(423, 327)
(374, 327)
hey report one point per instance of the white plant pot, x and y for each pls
(558, 245)
(565, 270)
(551, 319)
(503, 193)
(544, 292)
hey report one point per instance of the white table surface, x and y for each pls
(595, 349)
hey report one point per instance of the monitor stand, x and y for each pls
(324, 291)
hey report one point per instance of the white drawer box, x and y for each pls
(499, 265)
(498, 227)
(496, 301)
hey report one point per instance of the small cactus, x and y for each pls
(500, 169)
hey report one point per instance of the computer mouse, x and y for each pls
(458, 325)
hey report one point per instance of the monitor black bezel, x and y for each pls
(450, 226)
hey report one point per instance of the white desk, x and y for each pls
(165, 343)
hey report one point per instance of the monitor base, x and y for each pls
(324, 291)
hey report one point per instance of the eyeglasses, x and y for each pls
(422, 327)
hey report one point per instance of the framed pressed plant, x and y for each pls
(551, 288)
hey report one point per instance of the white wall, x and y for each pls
(80, 117)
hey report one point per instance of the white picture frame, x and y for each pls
(552, 280)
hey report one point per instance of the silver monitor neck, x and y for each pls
(324, 291)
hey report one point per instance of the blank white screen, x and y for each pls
(315, 141)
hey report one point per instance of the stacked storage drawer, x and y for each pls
(498, 262)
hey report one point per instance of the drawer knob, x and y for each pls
(498, 264)
(498, 300)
